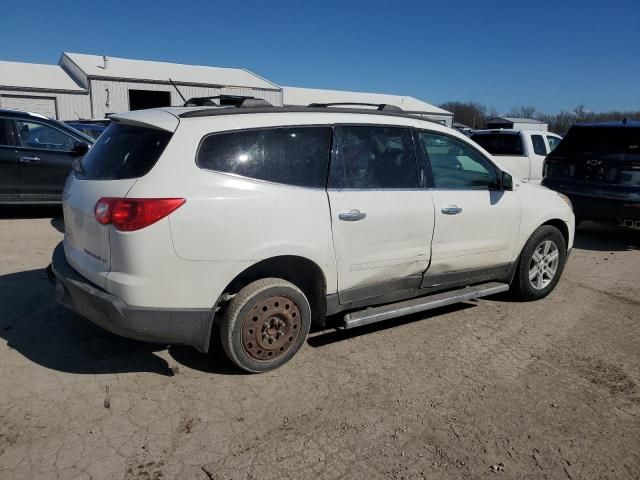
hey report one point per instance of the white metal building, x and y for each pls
(119, 84)
(44, 89)
(304, 96)
(517, 123)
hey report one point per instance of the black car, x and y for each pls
(597, 166)
(36, 156)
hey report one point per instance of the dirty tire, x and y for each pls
(522, 287)
(265, 325)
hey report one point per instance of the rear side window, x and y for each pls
(374, 157)
(500, 143)
(124, 151)
(296, 156)
(539, 147)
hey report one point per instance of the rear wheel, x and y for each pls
(265, 324)
(541, 263)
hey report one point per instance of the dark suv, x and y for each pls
(597, 166)
(36, 155)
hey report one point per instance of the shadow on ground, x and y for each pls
(600, 237)
(50, 335)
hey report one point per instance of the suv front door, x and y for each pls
(382, 219)
(9, 166)
(46, 157)
(476, 223)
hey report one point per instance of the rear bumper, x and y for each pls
(604, 209)
(180, 326)
(599, 207)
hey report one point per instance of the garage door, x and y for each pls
(42, 105)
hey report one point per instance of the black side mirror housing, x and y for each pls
(80, 148)
(507, 182)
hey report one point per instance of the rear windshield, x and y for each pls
(500, 143)
(123, 151)
(601, 141)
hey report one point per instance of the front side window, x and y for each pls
(41, 136)
(538, 145)
(553, 142)
(457, 165)
(296, 156)
(374, 157)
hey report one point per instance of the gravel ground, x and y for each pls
(486, 389)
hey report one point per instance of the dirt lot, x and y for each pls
(488, 389)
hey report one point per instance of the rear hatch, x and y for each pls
(126, 151)
(596, 161)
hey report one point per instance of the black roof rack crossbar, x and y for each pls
(381, 107)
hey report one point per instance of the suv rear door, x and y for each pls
(122, 154)
(46, 156)
(382, 218)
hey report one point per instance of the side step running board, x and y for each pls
(406, 307)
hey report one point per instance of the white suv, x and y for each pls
(254, 221)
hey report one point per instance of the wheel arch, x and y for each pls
(302, 272)
(562, 226)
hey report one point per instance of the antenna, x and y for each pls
(179, 92)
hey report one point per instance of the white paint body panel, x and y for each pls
(229, 223)
(483, 234)
(392, 242)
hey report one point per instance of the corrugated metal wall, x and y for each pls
(110, 96)
(69, 106)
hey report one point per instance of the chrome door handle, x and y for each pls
(29, 159)
(451, 210)
(352, 216)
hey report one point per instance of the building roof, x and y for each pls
(305, 96)
(36, 76)
(514, 120)
(123, 68)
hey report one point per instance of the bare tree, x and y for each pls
(522, 111)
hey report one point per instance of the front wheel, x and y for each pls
(541, 263)
(265, 324)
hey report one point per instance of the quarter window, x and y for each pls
(291, 155)
(371, 157)
(539, 147)
(457, 165)
(44, 137)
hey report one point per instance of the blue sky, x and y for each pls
(552, 55)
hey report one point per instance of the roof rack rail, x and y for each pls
(227, 101)
(381, 107)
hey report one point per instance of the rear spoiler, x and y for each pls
(158, 119)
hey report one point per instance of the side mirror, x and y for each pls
(80, 148)
(507, 182)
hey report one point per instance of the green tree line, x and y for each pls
(475, 115)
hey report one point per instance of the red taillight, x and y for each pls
(129, 214)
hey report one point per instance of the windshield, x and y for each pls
(123, 151)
